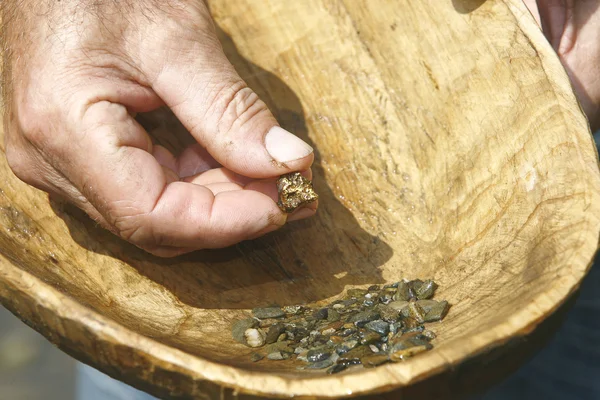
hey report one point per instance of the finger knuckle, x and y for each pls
(236, 107)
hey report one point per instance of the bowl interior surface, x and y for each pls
(456, 153)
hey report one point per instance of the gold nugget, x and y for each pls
(294, 192)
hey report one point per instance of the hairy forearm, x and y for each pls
(22, 24)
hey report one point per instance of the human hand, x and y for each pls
(75, 73)
(573, 29)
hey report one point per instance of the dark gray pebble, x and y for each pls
(320, 354)
(438, 312)
(273, 333)
(337, 368)
(333, 315)
(426, 290)
(320, 314)
(239, 328)
(402, 292)
(361, 318)
(378, 326)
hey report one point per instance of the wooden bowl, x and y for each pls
(449, 145)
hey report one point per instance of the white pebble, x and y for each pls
(374, 348)
(254, 337)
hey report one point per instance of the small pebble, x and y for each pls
(363, 317)
(347, 331)
(407, 353)
(415, 285)
(334, 357)
(373, 288)
(408, 340)
(374, 360)
(399, 305)
(388, 313)
(348, 363)
(378, 326)
(438, 312)
(368, 337)
(318, 355)
(278, 355)
(333, 325)
(335, 340)
(274, 332)
(347, 346)
(349, 302)
(254, 337)
(374, 348)
(338, 306)
(328, 331)
(394, 327)
(333, 315)
(278, 346)
(303, 356)
(402, 292)
(239, 328)
(427, 305)
(426, 290)
(356, 353)
(415, 311)
(337, 368)
(256, 357)
(320, 314)
(293, 310)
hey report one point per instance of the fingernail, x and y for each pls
(301, 214)
(284, 146)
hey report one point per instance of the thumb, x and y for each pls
(226, 117)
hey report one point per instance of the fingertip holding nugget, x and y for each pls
(294, 191)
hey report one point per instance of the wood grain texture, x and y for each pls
(449, 144)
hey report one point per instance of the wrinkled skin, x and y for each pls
(77, 71)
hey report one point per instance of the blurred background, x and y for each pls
(30, 367)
